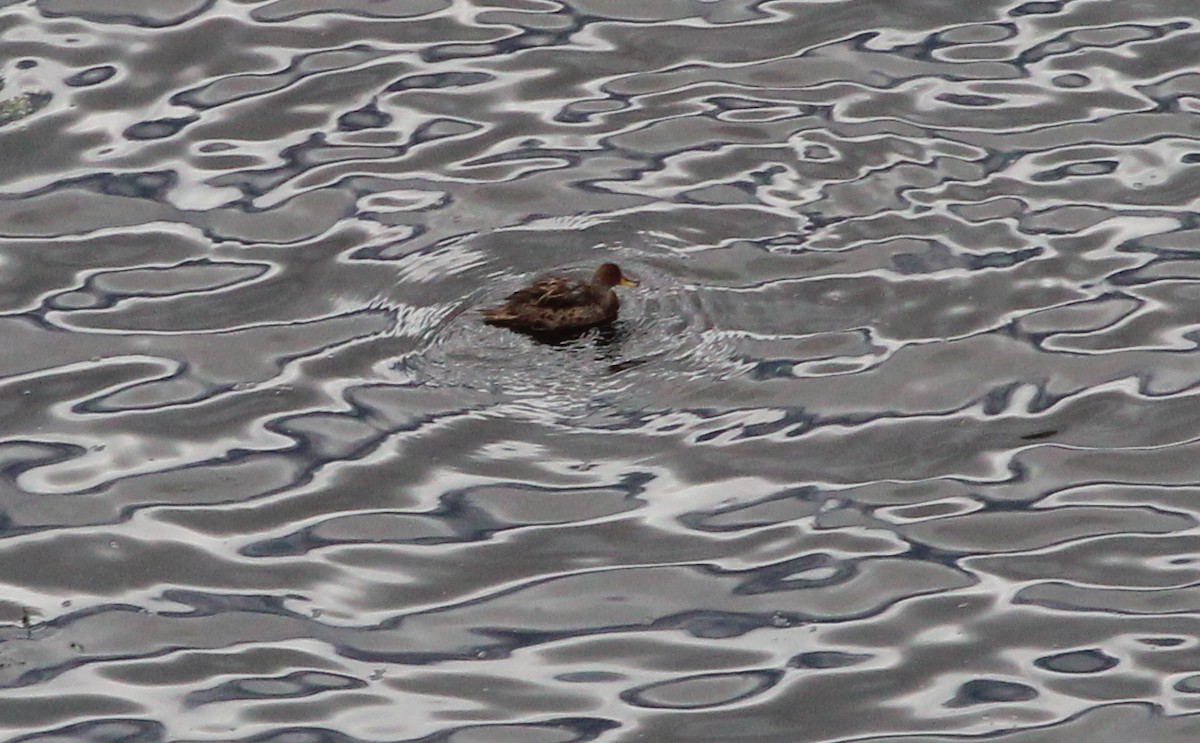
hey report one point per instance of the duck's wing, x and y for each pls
(552, 292)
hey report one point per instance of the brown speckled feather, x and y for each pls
(554, 291)
(557, 303)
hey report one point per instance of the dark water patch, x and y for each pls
(293, 686)
(825, 659)
(91, 76)
(283, 11)
(109, 730)
(1038, 8)
(810, 571)
(992, 691)
(158, 128)
(442, 80)
(1188, 685)
(1077, 661)
(367, 117)
(1162, 642)
(970, 100)
(699, 692)
(168, 13)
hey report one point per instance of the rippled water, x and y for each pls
(895, 441)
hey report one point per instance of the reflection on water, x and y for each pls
(894, 441)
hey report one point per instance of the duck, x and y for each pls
(558, 304)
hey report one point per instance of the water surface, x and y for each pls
(897, 439)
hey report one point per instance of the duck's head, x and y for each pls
(609, 275)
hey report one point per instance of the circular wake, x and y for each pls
(664, 342)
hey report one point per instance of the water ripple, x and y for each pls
(669, 342)
(893, 441)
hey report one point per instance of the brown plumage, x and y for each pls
(555, 304)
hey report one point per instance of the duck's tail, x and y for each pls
(498, 316)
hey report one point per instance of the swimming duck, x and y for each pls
(555, 304)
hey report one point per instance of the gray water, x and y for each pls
(897, 439)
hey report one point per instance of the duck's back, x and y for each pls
(554, 303)
(555, 291)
